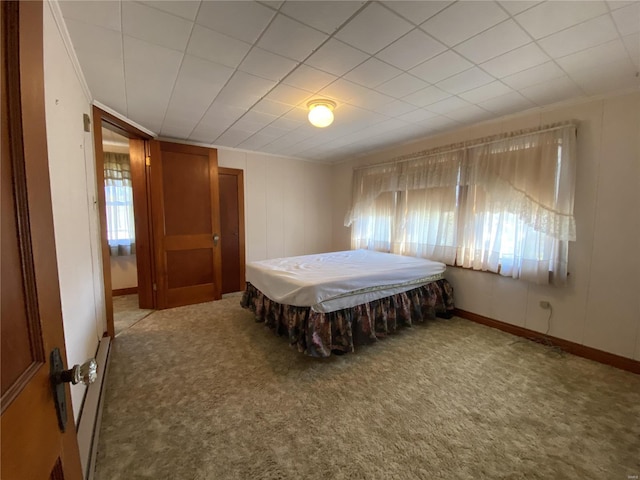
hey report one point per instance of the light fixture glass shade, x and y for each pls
(321, 113)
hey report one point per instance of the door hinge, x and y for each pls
(147, 161)
(155, 287)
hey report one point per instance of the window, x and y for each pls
(119, 204)
(502, 204)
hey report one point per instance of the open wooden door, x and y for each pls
(33, 446)
(186, 223)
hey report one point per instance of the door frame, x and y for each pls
(138, 147)
(239, 174)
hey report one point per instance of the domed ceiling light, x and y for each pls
(321, 112)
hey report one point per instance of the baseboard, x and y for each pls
(124, 291)
(600, 356)
(89, 422)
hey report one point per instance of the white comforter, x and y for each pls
(332, 281)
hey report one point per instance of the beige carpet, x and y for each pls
(203, 392)
(126, 312)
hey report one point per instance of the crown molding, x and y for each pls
(68, 45)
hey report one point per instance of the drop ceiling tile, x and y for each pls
(241, 20)
(587, 34)
(336, 57)
(505, 104)
(326, 16)
(615, 4)
(291, 38)
(467, 80)
(254, 121)
(273, 131)
(99, 52)
(309, 78)
(594, 57)
(426, 96)
(243, 90)
(470, 113)
(515, 61)
(417, 115)
(598, 79)
(462, 20)
(289, 95)
(102, 14)
(272, 107)
(448, 105)
(493, 42)
(401, 86)
(632, 43)
(490, 90)
(154, 26)
(538, 74)
(217, 47)
(372, 101)
(516, 6)
(552, 91)
(232, 137)
(205, 134)
(255, 142)
(374, 28)
(394, 108)
(551, 17)
(372, 73)
(151, 72)
(287, 124)
(344, 91)
(198, 83)
(412, 49)
(627, 19)
(416, 12)
(182, 8)
(266, 64)
(443, 66)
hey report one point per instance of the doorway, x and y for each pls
(112, 133)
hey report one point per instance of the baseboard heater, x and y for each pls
(88, 426)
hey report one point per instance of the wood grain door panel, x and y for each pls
(232, 229)
(185, 213)
(33, 447)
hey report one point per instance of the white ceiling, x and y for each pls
(239, 73)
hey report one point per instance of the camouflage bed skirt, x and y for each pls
(321, 334)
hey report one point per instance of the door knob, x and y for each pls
(216, 239)
(85, 373)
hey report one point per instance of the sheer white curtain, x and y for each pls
(408, 208)
(502, 204)
(119, 204)
(517, 206)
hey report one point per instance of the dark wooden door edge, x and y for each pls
(590, 353)
(239, 173)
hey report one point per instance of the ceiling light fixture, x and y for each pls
(321, 112)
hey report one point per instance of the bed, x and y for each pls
(330, 303)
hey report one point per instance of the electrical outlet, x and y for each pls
(544, 304)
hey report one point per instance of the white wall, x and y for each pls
(288, 204)
(72, 171)
(600, 307)
(124, 272)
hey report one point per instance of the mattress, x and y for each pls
(329, 282)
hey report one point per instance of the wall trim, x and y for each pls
(91, 413)
(123, 118)
(68, 45)
(590, 353)
(117, 292)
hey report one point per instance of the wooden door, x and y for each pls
(232, 229)
(33, 446)
(186, 223)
